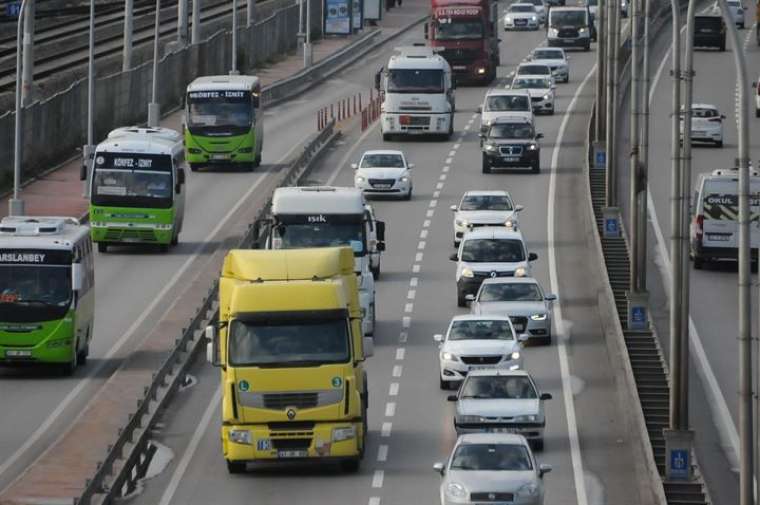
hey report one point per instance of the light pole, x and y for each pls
(126, 59)
(195, 36)
(307, 52)
(88, 151)
(182, 22)
(634, 189)
(16, 204)
(601, 39)
(27, 76)
(613, 29)
(644, 155)
(250, 12)
(154, 108)
(234, 70)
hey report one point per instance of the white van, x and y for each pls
(714, 233)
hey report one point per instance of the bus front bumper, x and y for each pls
(52, 351)
(132, 233)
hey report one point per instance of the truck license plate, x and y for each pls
(15, 353)
(292, 454)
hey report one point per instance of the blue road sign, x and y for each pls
(638, 317)
(679, 464)
(600, 160)
(611, 228)
(13, 9)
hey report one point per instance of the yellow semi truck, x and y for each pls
(290, 347)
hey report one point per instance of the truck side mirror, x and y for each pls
(83, 171)
(380, 232)
(380, 246)
(378, 77)
(212, 346)
(368, 344)
(77, 276)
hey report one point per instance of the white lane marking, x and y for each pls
(430, 213)
(385, 429)
(436, 193)
(452, 153)
(418, 257)
(406, 321)
(44, 428)
(400, 354)
(414, 281)
(421, 245)
(439, 185)
(448, 161)
(411, 294)
(200, 430)
(474, 116)
(382, 453)
(393, 389)
(409, 308)
(375, 500)
(398, 370)
(402, 337)
(433, 203)
(426, 223)
(344, 160)
(390, 409)
(423, 233)
(446, 169)
(416, 269)
(443, 177)
(567, 391)
(717, 402)
(377, 479)
(456, 146)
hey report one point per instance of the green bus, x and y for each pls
(224, 123)
(47, 296)
(137, 189)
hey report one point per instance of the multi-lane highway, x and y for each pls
(411, 424)
(714, 327)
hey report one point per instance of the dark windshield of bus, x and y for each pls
(575, 19)
(297, 235)
(289, 343)
(126, 180)
(415, 81)
(219, 113)
(459, 29)
(30, 293)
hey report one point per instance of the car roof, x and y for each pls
(511, 280)
(383, 151)
(493, 232)
(523, 3)
(497, 372)
(479, 317)
(491, 438)
(486, 192)
(553, 49)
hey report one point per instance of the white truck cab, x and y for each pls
(418, 94)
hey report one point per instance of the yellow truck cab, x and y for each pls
(290, 347)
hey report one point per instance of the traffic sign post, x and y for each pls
(638, 312)
(678, 464)
(600, 156)
(13, 9)
(611, 219)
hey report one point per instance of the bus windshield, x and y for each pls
(415, 81)
(30, 293)
(217, 112)
(143, 180)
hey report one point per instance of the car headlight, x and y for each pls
(509, 223)
(359, 178)
(508, 19)
(404, 179)
(515, 355)
(529, 489)
(538, 317)
(468, 419)
(532, 147)
(340, 434)
(467, 272)
(533, 18)
(489, 147)
(520, 272)
(456, 490)
(526, 419)
(462, 222)
(583, 29)
(553, 32)
(240, 436)
(547, 96)
(448, 356)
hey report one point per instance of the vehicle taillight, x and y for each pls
(699, 221)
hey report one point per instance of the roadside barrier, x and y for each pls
(350, 106)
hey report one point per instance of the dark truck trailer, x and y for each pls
(710, 31)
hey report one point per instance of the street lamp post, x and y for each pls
(16, 204)
(644, 154)
(307, 51)
(154, 108)
(234, 69)
(27, 72)
(195, 36)
(126, 59)
(182, 22)
(613, 29)
(635, 204)
(601, 39)
(89, 150)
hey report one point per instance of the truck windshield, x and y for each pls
(288, 343)
(292, 236)
(567, 18)
(132, 180)
(415, 81)
(219, 112)
(459, 29)
(486, 250)
(30, 293)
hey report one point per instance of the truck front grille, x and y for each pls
(281, 401)
(117, 235)
(291, 444)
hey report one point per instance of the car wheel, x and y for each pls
(376, 272)
(68, 368)
(722, 47)
(257, 161)
(719, 143)
(551, 111)
(587, 47)
(444, 385)
(486, 166)
(194, 167)
(235, 467)
(699, 263)
(408, 196)
(757, 112)
(175, 240)
(461, 300)
(536, 166)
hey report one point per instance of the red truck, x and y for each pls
(465, 31)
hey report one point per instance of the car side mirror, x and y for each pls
(550, 297)
(470, 297)
(77, 276)
(212, 346)
(368, 347)
(355, 166)
(438, 337)
(453, 208)
(523, 337)
(539, 136)
(380, 232)
(480, 108)
(546, 396)
(543, 468)
(452, 398)
(482, 135)
(532, 256)
(454, 257)
(519, 208)
(439, 467)
(723, 116)
(410, 166)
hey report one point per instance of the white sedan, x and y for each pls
(384, 172)
(493, 207)
(477, 343)
(706, 124)
(555, 58)
(522, 16)
(541, 90)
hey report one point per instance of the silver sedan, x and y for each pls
(492, 467)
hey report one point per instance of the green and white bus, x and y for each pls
(137, 191)
(47, 296)
(224, 123)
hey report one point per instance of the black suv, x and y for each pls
(511, 142)
(710, 31)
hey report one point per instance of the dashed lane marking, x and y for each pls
(386, 429)
(382, 453)
(377, 479)
(400, 354)
(390, 409)
(398, 370)
(393, 389)
(409, 308)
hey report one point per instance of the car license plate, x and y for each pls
(511, 158)
(502, 430)
(292, 454)
(382, 186)
(481, 367)
(459, 67)
(718, 238)
(220, 157)
(15, 353)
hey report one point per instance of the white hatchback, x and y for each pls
(384, 172)
(541, 90)
(706, 124)
(493, 207)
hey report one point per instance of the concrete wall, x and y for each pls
(55, 127)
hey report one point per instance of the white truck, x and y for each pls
(326, 216)
(418, 94)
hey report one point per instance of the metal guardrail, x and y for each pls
(133, 439)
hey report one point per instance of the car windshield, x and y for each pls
(415, 81)
(486, 250)
(532, 83)
(591, 3)
(458, 29)
(31, 293)
(704, 113)
(284, 343)
(486, 202)
(491, 457)
(567, 18)
(511, 131)
(212, 110)
(547, 54)
(522, 8)
(534, 70)
(501, 103)
(480, 330)
(293, 236)
(498, 388)
(382, 160)
(510, 292)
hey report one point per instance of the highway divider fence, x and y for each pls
(350, 106)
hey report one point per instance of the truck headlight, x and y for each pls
(582, 29)
(447, 356)
(467, 272)
(340, 434)
(533, 18)
(240, 436)
(553, 32)
(532, 147)
(481, 70)
(538, 317)
(520, 272)
(456, 490)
